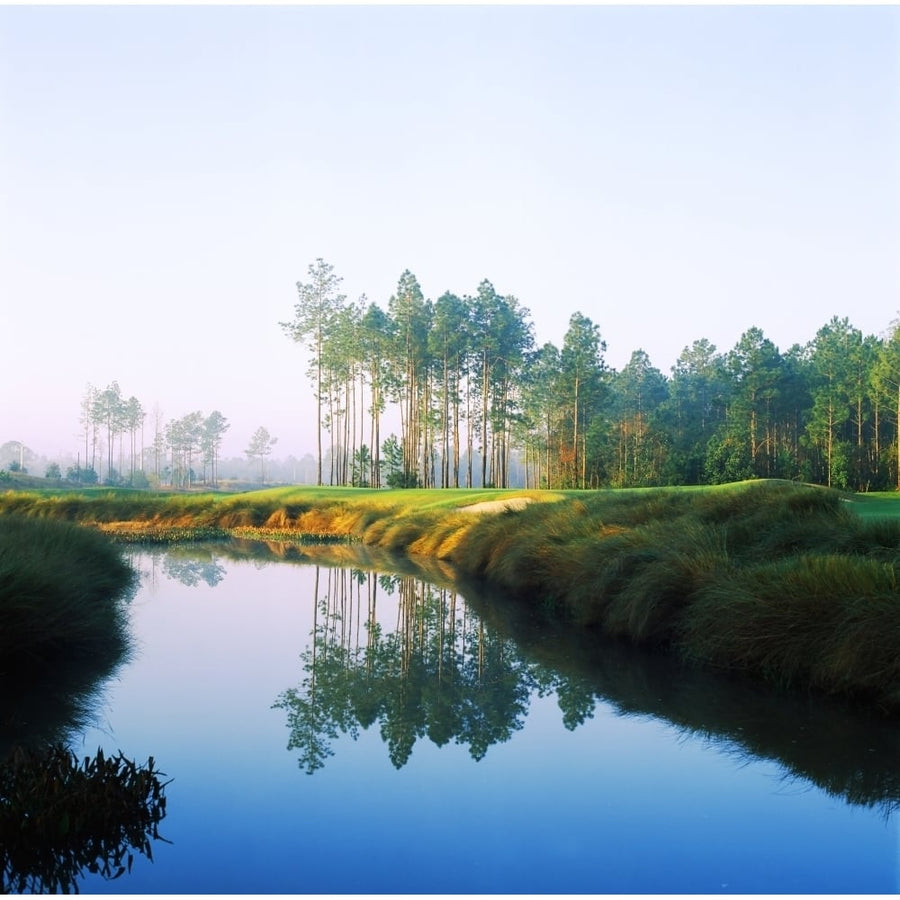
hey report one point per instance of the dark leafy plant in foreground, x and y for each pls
(61, 817)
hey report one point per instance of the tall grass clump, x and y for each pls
(779, 580)
(62, 590)
(827, 622)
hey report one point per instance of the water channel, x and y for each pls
(333, 723)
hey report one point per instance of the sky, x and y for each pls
(168, 174)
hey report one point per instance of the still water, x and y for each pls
(344, 730)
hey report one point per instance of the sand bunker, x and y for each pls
(493, 506)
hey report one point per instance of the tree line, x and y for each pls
(481, 403)
(182, 451)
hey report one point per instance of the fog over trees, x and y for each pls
(479, 401)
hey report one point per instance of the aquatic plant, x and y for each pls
(61, 817)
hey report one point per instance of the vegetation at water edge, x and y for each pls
(62, 591)
(784, 581)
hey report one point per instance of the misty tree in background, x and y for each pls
(214, 428)
(184, 437)
(88, 424)
(260, 447)
(108, 411)
(317, 306)
(133, 416)
(159, 441)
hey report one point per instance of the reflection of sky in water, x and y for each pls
(617, 805)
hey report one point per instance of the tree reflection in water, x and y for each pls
(439, 673)
(463, 671)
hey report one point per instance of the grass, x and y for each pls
(61, 599)
(791, 583)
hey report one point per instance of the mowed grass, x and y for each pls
(791, 583)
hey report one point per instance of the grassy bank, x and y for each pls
(61, 604)
(787, 582)
(782, 581)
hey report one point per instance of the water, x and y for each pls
(464, 760)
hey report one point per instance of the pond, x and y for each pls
(363, 728)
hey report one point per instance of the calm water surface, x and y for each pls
(416, 746)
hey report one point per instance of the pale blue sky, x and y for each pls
(167, 174)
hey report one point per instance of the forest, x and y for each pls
(482, 404)
(479, 403)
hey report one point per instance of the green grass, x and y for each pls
(876, 504)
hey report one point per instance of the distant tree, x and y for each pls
(885, 379)
(183, 437)
(376, 337)
(213, 431)
(133, 418)
(260, 447)
(756, 371)
(17, 452)
(448, 342)
(88, 421)
(362, 461)
(391, 456)
(695, 408)
(80, 475)
(109, 410)
(159, 440)
(542, 414)
(52, 471)
(637, 392)
(314, 313)
(395, 473)
(832, 356)
(583, 373)
(412, 318)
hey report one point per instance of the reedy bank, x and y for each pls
(783, 581)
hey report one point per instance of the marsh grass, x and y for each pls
(786, 581)
(62, 591)
(782, 581)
